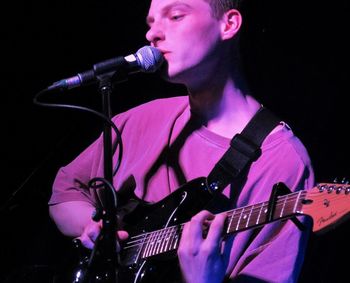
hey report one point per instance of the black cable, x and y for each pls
(118, 141)
(93, 183)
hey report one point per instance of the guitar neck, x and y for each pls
(251, 216)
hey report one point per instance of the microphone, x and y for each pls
(147, 59)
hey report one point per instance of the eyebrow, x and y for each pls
(150, 19)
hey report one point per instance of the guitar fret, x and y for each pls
(151, 245)
(283, 206)
(164, 239)
(239, 219)
(253, 217)
(147, 240)
(158, 242)
(141, 249)
(170, 239)
(250, 213)
(175, 245)
(296, 202)
(260, 210)
(230, 224)
(277, 209)
(161, 240)
(265, 210)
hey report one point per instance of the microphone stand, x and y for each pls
(107, 238)
(105, 248)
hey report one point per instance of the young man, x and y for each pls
(168, 142)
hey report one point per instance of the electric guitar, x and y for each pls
(155, 230)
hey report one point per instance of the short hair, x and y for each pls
(219, 7)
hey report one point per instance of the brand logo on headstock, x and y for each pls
(323, 220)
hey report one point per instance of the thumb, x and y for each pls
(122, 235)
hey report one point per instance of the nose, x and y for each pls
(155, 34)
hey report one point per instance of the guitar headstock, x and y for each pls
(328, 204)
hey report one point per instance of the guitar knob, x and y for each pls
(77, 244)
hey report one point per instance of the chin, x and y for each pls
(175, 75)
(168, 74)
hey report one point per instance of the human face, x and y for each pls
(187, 34)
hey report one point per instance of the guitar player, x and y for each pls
(170, 141)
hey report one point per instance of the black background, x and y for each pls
(296, 61)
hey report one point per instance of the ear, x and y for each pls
(231, 24)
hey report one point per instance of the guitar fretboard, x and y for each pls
(167, 239)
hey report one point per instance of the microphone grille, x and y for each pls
(150, 58)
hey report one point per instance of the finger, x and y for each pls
(215, 230)
(198, 222)
(204, 218)
(93, 232)
(86, 242)
(184, 244)
(90, 234)
(196, 229)
(192, 234)
(122, 235)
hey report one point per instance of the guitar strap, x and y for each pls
(243, 151)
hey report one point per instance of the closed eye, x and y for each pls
(177, 17)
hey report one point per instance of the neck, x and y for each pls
(225, 107)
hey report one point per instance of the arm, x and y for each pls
(73, 219)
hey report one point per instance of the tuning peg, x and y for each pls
(345, 181)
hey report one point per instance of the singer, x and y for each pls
(170, 142)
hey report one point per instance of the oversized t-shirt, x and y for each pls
(165, 146)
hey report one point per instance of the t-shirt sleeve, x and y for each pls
(71, 182)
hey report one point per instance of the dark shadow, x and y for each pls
(170, 155)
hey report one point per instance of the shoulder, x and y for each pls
(283, 140)
(156, 108)
(155, 114)
(160, 104)
(287, 159)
